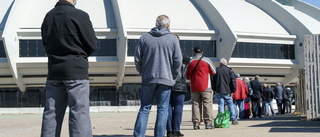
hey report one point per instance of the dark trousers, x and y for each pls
(175, 111)
(283, 106)
(288, 106)
(256, 108)
(279, 105)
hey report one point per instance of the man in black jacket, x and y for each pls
(68, 38)
(256, 96)
(287, 99)
(224, 84)
(268, 96)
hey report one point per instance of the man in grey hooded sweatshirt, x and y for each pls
(158, 60)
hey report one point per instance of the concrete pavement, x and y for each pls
(120, 124)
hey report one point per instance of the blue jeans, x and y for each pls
(175, 111)
(239, 103)
(263, 107)
(148, 91)
(228, 99)
(269, 103)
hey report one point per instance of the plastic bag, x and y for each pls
(222, 120)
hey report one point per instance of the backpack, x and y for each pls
(285, 93)
(250, 91)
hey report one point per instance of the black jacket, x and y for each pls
(68, 38)
(224, 81)
(180, 85)
(268, 94)
(287, 94)
(257, 89)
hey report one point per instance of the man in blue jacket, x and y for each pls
(278, 91)
(68, 38)
(158, 60)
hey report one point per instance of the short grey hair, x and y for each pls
(223, 61)
(163, 21)
(246, 79)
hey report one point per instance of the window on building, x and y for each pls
(103, 96)
(208, 47)
(129, 94)
(132, 46)
(31, 48)
(33, 97)
(35, 48)
(262, 50)
(106, 47)
(36, 96)
(9, 97)
(2, 52)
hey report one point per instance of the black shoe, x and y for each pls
(209, 126)
(234, 122)
(169, 134)
(177, 134)
(196, 127)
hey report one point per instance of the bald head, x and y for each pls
(223, 61)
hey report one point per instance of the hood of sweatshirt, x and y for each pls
(157, 32)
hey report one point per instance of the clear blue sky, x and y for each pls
(313, 2)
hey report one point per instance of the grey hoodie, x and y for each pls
(158, 57)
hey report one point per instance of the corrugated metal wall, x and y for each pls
(310, 79)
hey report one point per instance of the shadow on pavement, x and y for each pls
(289, 123)
(286, 117)
(115, 136)
(295, 130)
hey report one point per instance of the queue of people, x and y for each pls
(262, 95)
(163, 69)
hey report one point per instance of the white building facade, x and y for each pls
(257, 37)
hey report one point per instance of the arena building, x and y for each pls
(257, 37)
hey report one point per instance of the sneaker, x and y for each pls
(169, 134)
(209, 126)
(177, 134)
(234, 122)
(196, 127)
